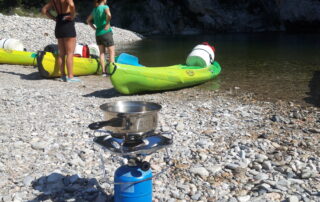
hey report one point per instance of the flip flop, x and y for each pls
(74, 79)
(62, 78)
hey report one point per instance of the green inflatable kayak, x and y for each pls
(132, 78)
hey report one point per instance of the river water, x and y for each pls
(273, 66)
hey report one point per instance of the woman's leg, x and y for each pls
(70, 44)
(61, 57)
(102, 50)
(112, 53)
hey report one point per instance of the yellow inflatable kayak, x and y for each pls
(48, 66)
(17, 57)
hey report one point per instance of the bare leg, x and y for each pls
(102, 50)
(61, 57)
(70, 44)
(111, 54)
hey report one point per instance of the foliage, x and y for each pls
(34, 6)
(8, 4)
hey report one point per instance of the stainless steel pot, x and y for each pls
(129, 119)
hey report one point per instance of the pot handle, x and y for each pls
(98, 125)
(114, 122)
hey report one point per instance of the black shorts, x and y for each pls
(105, 39)
(64, 28)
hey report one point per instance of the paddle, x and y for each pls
(125, 58)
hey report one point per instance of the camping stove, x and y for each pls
(135, 141)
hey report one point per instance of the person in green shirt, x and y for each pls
(99, 20)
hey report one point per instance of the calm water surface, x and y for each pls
(271, 65)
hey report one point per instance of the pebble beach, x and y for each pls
(227, 146)
(37, 33)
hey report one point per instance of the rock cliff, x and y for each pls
(205, 16)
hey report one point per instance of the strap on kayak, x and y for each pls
(114, 70)
(211, 59)
(42, 71)
(34, 59)
(4, 42)
(99, 65)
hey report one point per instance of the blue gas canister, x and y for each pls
(125, 191)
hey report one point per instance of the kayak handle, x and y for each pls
(114, 70)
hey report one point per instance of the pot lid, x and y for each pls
(131, 107)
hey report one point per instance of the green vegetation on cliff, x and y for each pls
(33, 7)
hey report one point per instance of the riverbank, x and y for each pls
(227, 146)
(37, 33)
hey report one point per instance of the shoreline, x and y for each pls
(37, 33)
(226, 147)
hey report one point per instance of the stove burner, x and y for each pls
(145, 146)
(132, 137)
(131, 144)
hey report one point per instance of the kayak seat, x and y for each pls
(125, 58)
